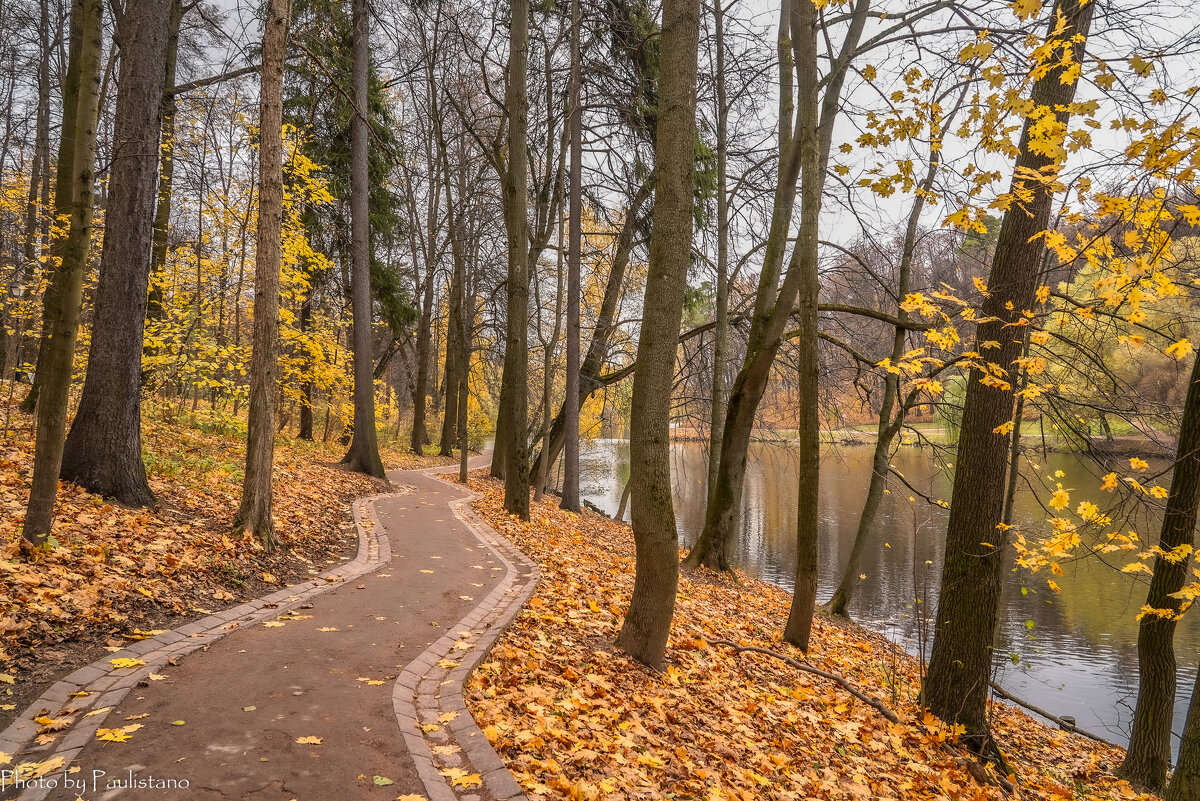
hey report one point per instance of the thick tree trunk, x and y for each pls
(956, 685)
(647, 626)
(254, 513)
(103, 451)
(1149, 754)
(363, 454)
(570, 488)
(808, 442)
(514, 399)
(77, 150)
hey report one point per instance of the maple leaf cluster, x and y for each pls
(574, 718)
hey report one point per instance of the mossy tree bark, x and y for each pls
(64, 296)
(647, 625)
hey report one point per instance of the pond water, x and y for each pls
(1077, 649)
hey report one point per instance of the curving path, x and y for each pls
(345, 687)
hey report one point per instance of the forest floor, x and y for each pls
(117, 575)
(574, 718)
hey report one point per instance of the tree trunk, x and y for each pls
(77, 151)
(956, 686)
(103, 451)
(306, 388)
(363, 454)
(37, 217)
(1149, 754)
(514, 378)
(808, 444)
(454, 371)
(166, 171)
(66, 180)
(570, 488)
(647, 626)
(597, 352)
(773, 300)
(421, 383)
(1185, 781)
(889, 425)
(254, 514)
(720, 390)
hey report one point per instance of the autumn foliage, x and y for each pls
(575, 718)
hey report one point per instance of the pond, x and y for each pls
(1075, 651)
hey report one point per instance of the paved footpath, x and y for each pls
(345, 687)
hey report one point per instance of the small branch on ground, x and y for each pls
(977, 771)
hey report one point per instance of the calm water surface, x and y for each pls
(1077, 649)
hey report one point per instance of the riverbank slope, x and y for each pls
(575, 719)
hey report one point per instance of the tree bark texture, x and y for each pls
(956, 685)
(514, 377)
(1149, 754)
(64, 296)
(363, 454)
(570, 488)
(647, 625)
(103, 451)
(254, 513)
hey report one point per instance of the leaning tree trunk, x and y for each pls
(1149, 754)
(254, 514)
(66, 179)
(363, 454)
(647, 626)
(720, 389)
(514, 394)
(888, 427)
(956, 685)
(103, 452)
(808, 444)
(606, 319)
(64, 296)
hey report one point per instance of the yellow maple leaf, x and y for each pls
(125, 662)
(309, 740)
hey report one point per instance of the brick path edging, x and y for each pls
(107, 686)
(430, 687)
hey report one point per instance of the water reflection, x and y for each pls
(1077, 648)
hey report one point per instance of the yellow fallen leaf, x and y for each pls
(309, 740)
(446, 717)
(426, 571)
(155, 676)
(100, 711)
(428, 727)
(6, 678)
(273, 624)
(126, 662)
(327, 628)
